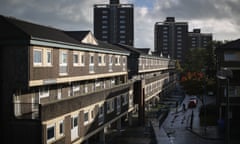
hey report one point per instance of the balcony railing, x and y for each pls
(27, 110)
(58, 108)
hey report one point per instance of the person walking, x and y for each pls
(184, 107)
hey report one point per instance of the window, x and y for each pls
(122, 11)
(74, 122)
(101, 111)
(104, 32)
(231, 56)
(43, 92)
(117, 60)
(165, 32)
(42, 57)
(49, 57)
(104, 17)
(122, 26)
(124, 97)
(179, 28)
(104, 37)
(122, 42)
(82, 59)
(86, 117)
(104, 22)
(122, 31)
(122, 36)
(165, 28)
(118, 104)
(75, 59)
(104, 26)
(104, 11)
(37, 57)
(124, 60)
(100, 114)
(61, 128)
(63, 62)
(122, 16)
(110, 59)
(99, 59)
(179, 32)
(122, 22)
(110, 105)
(91, 59)
(91, 65)
(50, 133)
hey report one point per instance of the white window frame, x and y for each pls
(86, 112)
(54, 137)
(91, 62)
(59, 123)
(78, 60)
(46, 59)
(44, 92)
(117, 60)
(82, 59)
(62, 62)
(41, 61)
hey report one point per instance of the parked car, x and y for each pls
(192, 103)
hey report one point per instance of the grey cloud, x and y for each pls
(78, 14)
(65, 14)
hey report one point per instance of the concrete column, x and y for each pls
(119, 125)
(102, 136)
(130, 119)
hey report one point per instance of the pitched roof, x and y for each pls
(53, 34)
(79, 35)
(144, 50)
(130, 48)
(40, 31)
(231, 45)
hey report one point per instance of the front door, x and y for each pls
(74, 127)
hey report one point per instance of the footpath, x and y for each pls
(179, 121)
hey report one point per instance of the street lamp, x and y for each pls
(226, 74)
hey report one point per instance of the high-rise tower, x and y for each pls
(114, 23)
(170, 38)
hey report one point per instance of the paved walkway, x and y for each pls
(176, 128)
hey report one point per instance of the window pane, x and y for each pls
(63, 58)
(61, 128)
(83, 59)
(50, 132)
(75, 122)
(91, 59)
(85, 116)
(37, 56)
(75, 58)
(49, 57)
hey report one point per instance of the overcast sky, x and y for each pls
(220, 17)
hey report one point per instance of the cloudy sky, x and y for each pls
(220, 17)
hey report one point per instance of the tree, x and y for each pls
(200, 60)
(195, 60)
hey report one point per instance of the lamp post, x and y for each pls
(226, 74)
